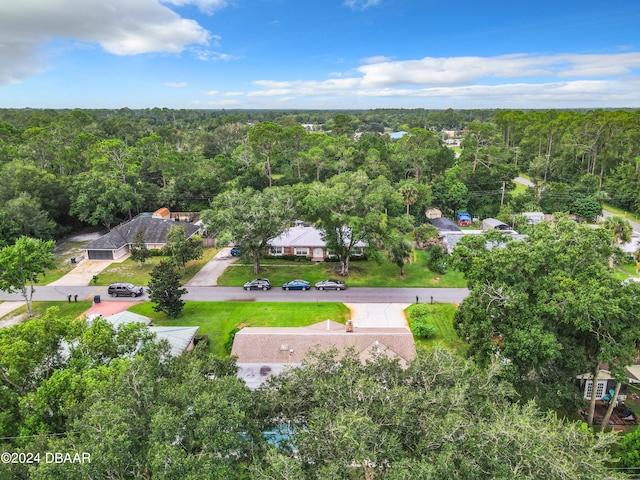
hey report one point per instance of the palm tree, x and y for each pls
(409, 193)
(400, 252)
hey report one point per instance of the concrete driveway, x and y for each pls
(82, 274)
(378, 315)
(208, 275)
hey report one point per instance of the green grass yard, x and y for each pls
(441, 316)
(73, 309)
(217, 319)
(130, 271)
(361, 274)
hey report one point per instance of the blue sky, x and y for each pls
(300, 54)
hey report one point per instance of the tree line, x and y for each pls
(63, 169)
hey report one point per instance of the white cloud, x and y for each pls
(555, 80)
(175, 84)
(361, 4)
(120, 27)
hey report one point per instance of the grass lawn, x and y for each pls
(617, 211)
(520, 189)
(217, 319)
(442, 318)
(73, 309)
(130, 271)
(62, 261)
(361, 274)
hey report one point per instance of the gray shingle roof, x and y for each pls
(155, 231)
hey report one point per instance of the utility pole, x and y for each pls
(503, 189)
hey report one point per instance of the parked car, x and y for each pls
(297, 285)
(331, 284)
(235, 251)
(122, 289)
(258, 284)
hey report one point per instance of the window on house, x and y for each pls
(303, 252)
(356, 251)
(275, 251)
(600, 388)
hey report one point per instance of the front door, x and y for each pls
(318, 254)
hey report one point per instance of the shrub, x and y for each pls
(424, 330)
(420, 312)
(436, 260)
(228, 345)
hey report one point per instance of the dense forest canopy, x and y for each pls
(66, 168)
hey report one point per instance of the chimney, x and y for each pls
(349, 326)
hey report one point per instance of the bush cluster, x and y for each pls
(420, 325)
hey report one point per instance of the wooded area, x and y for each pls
(63, 169)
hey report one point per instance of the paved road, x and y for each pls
(213, 294)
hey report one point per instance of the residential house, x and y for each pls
(180, 338)
(116, 244)
(303, 240)
(265, 351)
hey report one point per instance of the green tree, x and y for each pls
(351, 209)
(32, 221)
(251, 218)
(439, 417)
(587, 207)
(620, 230)
(548, 305)
(100, 199)
(29, 355)
(409, 192)
(22, 263)
(139, 250)
(265, 139)
(400, 252)
(165, 289)
(180, 248)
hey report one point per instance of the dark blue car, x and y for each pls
(235, 251)
(297, 285)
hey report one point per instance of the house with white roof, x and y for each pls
(305, 241)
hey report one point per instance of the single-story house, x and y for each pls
(264, 351)
(180, 338)
(451, 239)
(305, 241)
(116, 244)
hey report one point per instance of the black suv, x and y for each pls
(258, 284)
(124, 290)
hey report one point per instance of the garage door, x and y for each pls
(100, 254)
